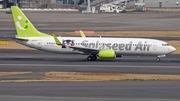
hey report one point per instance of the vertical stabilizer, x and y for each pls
(24, 27)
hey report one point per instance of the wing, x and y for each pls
(75, 48)
(84, 49)
(82, 34)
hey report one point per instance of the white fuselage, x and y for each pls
(122, 46)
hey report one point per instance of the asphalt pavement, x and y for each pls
(92, 91)
(39, 61)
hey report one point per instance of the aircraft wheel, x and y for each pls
(92, 58)
(89, 58)
(158, 59)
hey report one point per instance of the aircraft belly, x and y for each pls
(57, 49)
(132, 53)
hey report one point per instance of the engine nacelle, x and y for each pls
(107, 54)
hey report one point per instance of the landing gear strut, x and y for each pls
(92, 58)
(160, 56)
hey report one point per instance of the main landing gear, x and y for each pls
(92, 57)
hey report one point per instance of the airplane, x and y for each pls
(104, 48)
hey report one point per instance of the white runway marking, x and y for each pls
(7, 56)
(51, 65)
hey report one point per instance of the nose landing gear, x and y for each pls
(160, 56)
(158, 59)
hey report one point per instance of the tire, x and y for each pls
(158, 59)
(89, 58)
(94, 57)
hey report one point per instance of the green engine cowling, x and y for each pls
(107, 54)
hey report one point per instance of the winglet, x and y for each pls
(56, 40)
(82, 34)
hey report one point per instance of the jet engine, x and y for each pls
(107, 54)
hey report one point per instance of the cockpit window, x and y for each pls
(165, 44)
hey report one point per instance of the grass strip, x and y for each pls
(13, 73)
(88, 76)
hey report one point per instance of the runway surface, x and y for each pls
(39, 61)
(91, 91)
(60, 22)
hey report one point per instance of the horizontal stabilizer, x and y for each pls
(21, 39)
(12, 38)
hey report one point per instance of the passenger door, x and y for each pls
(154, 46)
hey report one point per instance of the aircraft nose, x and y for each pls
(172, 49)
